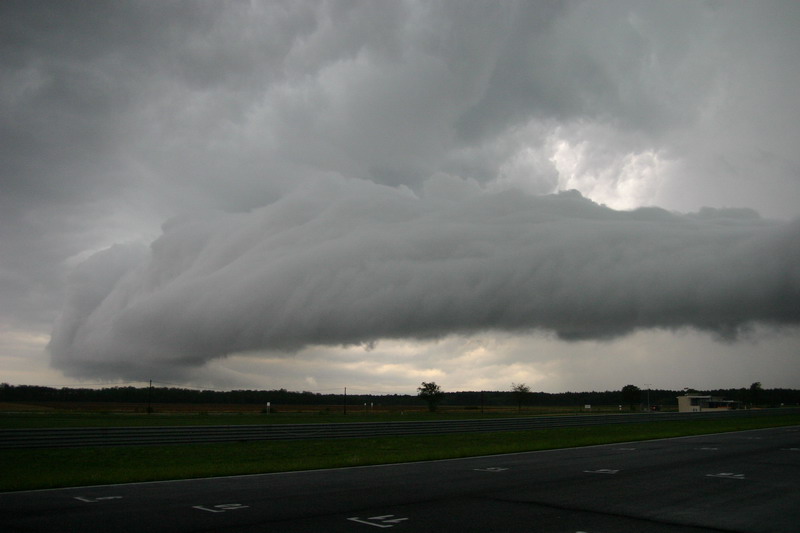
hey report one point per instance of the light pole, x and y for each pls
(149, 396)
(648, 385)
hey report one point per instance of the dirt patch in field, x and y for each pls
(19, 406)
(178, 408)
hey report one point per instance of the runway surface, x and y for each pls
(738, 482)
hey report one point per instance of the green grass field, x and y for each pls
(63, 419)
(65, 467)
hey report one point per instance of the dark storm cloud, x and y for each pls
(349, 262)
(117, 116)
(106, 110)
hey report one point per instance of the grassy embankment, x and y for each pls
(72, 414)
(62, 467)
(89, 419)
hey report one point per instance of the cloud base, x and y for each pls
(347, 262)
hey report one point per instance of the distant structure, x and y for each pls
(696, 403)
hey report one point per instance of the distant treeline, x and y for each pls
(33, 393)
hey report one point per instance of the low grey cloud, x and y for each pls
(349, 262)
(117, 116)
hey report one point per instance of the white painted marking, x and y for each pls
(791, 449)
(602, 471)
(206, 509)
(627, 449)
(708, 449)
(491, 469)
(727, 475)
(383, 521)
(221, 508)
(95, 500)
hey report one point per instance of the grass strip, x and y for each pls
(18, 420)
(70, 467)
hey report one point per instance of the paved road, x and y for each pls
(744, 482)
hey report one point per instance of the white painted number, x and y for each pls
(727, 475)
(378, 521)
(95, 500)
(221, 508)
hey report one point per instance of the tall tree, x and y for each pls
(755, 393)
(431, 394)
(631, 395)
(520, 392)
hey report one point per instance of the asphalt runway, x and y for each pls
(745, 482)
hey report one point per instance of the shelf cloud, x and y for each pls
(347, 262)
(227, 191)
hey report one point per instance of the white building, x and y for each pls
(696, 403)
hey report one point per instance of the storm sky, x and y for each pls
(312, 195)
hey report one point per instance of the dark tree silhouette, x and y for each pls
(431, 394)
(631, 395)
(756, 393)
(521, 393)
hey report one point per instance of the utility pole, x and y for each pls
(648, 385)
(149, 396)
(345, 401)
